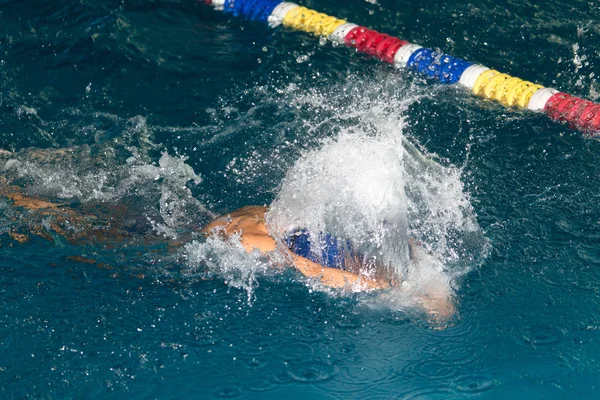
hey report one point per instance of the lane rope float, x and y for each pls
(482, 81)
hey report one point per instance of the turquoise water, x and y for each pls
(253, 112)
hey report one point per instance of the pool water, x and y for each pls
(177, 113)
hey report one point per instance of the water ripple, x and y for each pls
(431, 394)
(473, 384)
(228, 391)
(311, 372)
(440, 363)
(292, 352)
(542, 335)
(363, 377)
(350, 322)
(262, 385)
(255, 344)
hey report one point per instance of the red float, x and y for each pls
(579, 113)
(374, 43)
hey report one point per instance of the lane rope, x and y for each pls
(310, 21)
(482, 81)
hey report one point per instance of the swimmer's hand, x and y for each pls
(439, 308)
(334, 277)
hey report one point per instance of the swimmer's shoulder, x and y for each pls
(250, 219)
(249, 223)
(250, 212)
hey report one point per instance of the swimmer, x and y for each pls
(334, 262)
(249, 223)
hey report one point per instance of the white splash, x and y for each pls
(356, 176)
(228, 260)
(352, 188)
(372, 186)
(115, 172)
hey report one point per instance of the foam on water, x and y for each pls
(116, 172)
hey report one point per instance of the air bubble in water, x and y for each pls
(302, 58)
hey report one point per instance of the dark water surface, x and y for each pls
(243, 102)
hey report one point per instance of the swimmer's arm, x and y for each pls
(332, 277)
(16, 195)
(30, 203)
